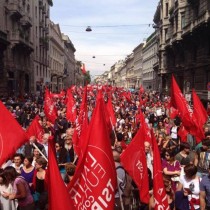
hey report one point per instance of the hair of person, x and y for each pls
(5, 181)
(29, 158)
(70, 169)
(41, 161)
(18, 155)
(190, 170)
(184, 145)
(10, 173)
(170, 152)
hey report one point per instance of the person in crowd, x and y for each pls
(45, 144)
(36, 155)
(17, 162)
(21, 190)
(29, 147)
(149, 156)
(190, 185)
(68, 145)
(5, 186)
(174, 136)
(169, 193)
(121, 183)
(70, 170)
(204, 158)
(40, 184)
(205, 192)
(171, 168)
(62, 158)
(28, 170)
(185, 153)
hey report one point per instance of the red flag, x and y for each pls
(83, 69)
(59, 198)
(35, 129)
(200, 115)
(179, 102)
(81, 124)
(133, 160)
(160, 197)
(141, 90)
(71, 112)
(173, 113)
(182, 133)
(110, 111)
(12, 136)
(94, 183)
(49, 107)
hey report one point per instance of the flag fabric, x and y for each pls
(179, 102)
(49, 107)
(81, 124)
(12, 136)
(160, 197)
(182, 133)
(173, 113)
(35, 129)
(59, 198)
(200, 115)
(133, 160)
(110, 111)
(94, 183)
(83, 69)
(71, 112)
(141, 90)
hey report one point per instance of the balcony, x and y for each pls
(26, 21)
(40, 4)
(41, 24)
(15, 10)
(3, 39)
(20, 39)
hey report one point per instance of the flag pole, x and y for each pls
(40, 152)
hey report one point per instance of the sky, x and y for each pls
(118, 26)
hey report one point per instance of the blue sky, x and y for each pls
(118, 26)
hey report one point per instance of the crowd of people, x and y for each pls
(185, 161)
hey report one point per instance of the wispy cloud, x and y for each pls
(107, 44)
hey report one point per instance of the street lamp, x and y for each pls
(88, 29)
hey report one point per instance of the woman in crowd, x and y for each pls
(190, 184)
(61, 154)
(5, 186)
(21, 190)
(40, 184)
(36, 155)
(171, 167)
(28, 170)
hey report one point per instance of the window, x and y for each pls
(166, 9)
(183, 23)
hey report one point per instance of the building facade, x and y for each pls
(56, 52)
(184, 48)
(40, 76)
(138, 64)
(24, 46)
(69, 62)
(150, 58)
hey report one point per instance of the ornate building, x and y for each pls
(69, 62)
(150, 58)
(23, 46)
(56, 45)
(184, 48)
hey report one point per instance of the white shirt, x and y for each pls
(193, 185)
